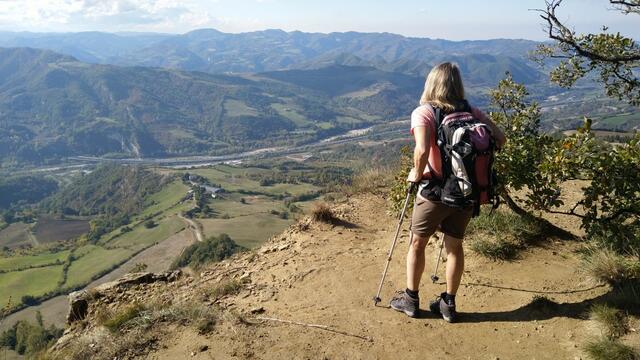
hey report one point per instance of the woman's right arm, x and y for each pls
(420, 153)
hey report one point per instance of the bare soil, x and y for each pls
(51, 230)
(16, 235)
(327, 275)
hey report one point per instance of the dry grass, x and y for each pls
(498, 249)
(605, 265)
(322, 213)
(501, 235)
(607, 349)
(104, 345)
(372, 180)
(614, 322)
(231, 287)
(116, 321)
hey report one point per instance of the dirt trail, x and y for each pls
(195, 229)
(327, 275)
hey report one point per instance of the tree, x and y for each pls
(521, 155)
(611, 202)
(614, 57)
(149, 224)
(539, 164)
(213, 249)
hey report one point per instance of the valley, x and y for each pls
(128, 153)
(250, 208)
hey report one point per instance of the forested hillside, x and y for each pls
(53, 106)
(213, 51)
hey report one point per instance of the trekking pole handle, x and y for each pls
(410, 190)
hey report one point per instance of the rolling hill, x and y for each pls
(53, 106)
(212, 51)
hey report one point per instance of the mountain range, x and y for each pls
(53, 106)
(207, 92)
(207, 50)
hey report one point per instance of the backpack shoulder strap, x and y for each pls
(466, 107)
(438, 117)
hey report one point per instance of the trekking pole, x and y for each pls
(435, 277)
(410, 189)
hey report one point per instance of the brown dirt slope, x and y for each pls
(326, 275)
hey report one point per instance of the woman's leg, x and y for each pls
(415, 261)
(455, 263)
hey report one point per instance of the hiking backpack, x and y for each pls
(467, 153)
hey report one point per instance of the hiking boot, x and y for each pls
(404, 303)
(440, 307)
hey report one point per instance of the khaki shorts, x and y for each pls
(428, 215)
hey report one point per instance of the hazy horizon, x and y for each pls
(501, 19)
(126, 33)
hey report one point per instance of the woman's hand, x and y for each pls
(414, 176)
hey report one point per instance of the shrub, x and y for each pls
(29, 300)
(399, 185)
(150, 224)
(125, 229)
(231, 287)
(323, 213)
(118, 320)
(608, 266)
(211, 250)
(138, 268)
(521, 229)
(202, 317)
(625, 295)
(607, 349)
(29, 339)
(614, 321)
(499, 249)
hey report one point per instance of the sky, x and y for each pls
(453, 19)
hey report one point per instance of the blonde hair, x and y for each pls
(444, 87)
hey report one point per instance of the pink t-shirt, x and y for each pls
(425, 116)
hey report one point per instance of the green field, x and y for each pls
(141, 237)
(34, 282)
(233, 180)
(239, 108)
(165, 199)
(95, 260)
(612, 122)
(89, 261)
(21, 262)
(291, 113)
(232, 206)
(252, 222)
(248, 231)
(248, 212)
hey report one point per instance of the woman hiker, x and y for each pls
(444, 90)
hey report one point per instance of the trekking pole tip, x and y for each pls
(434, 279)
(376, 300)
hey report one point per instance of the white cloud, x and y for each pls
(74, 15)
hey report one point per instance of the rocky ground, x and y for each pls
(307, 294)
